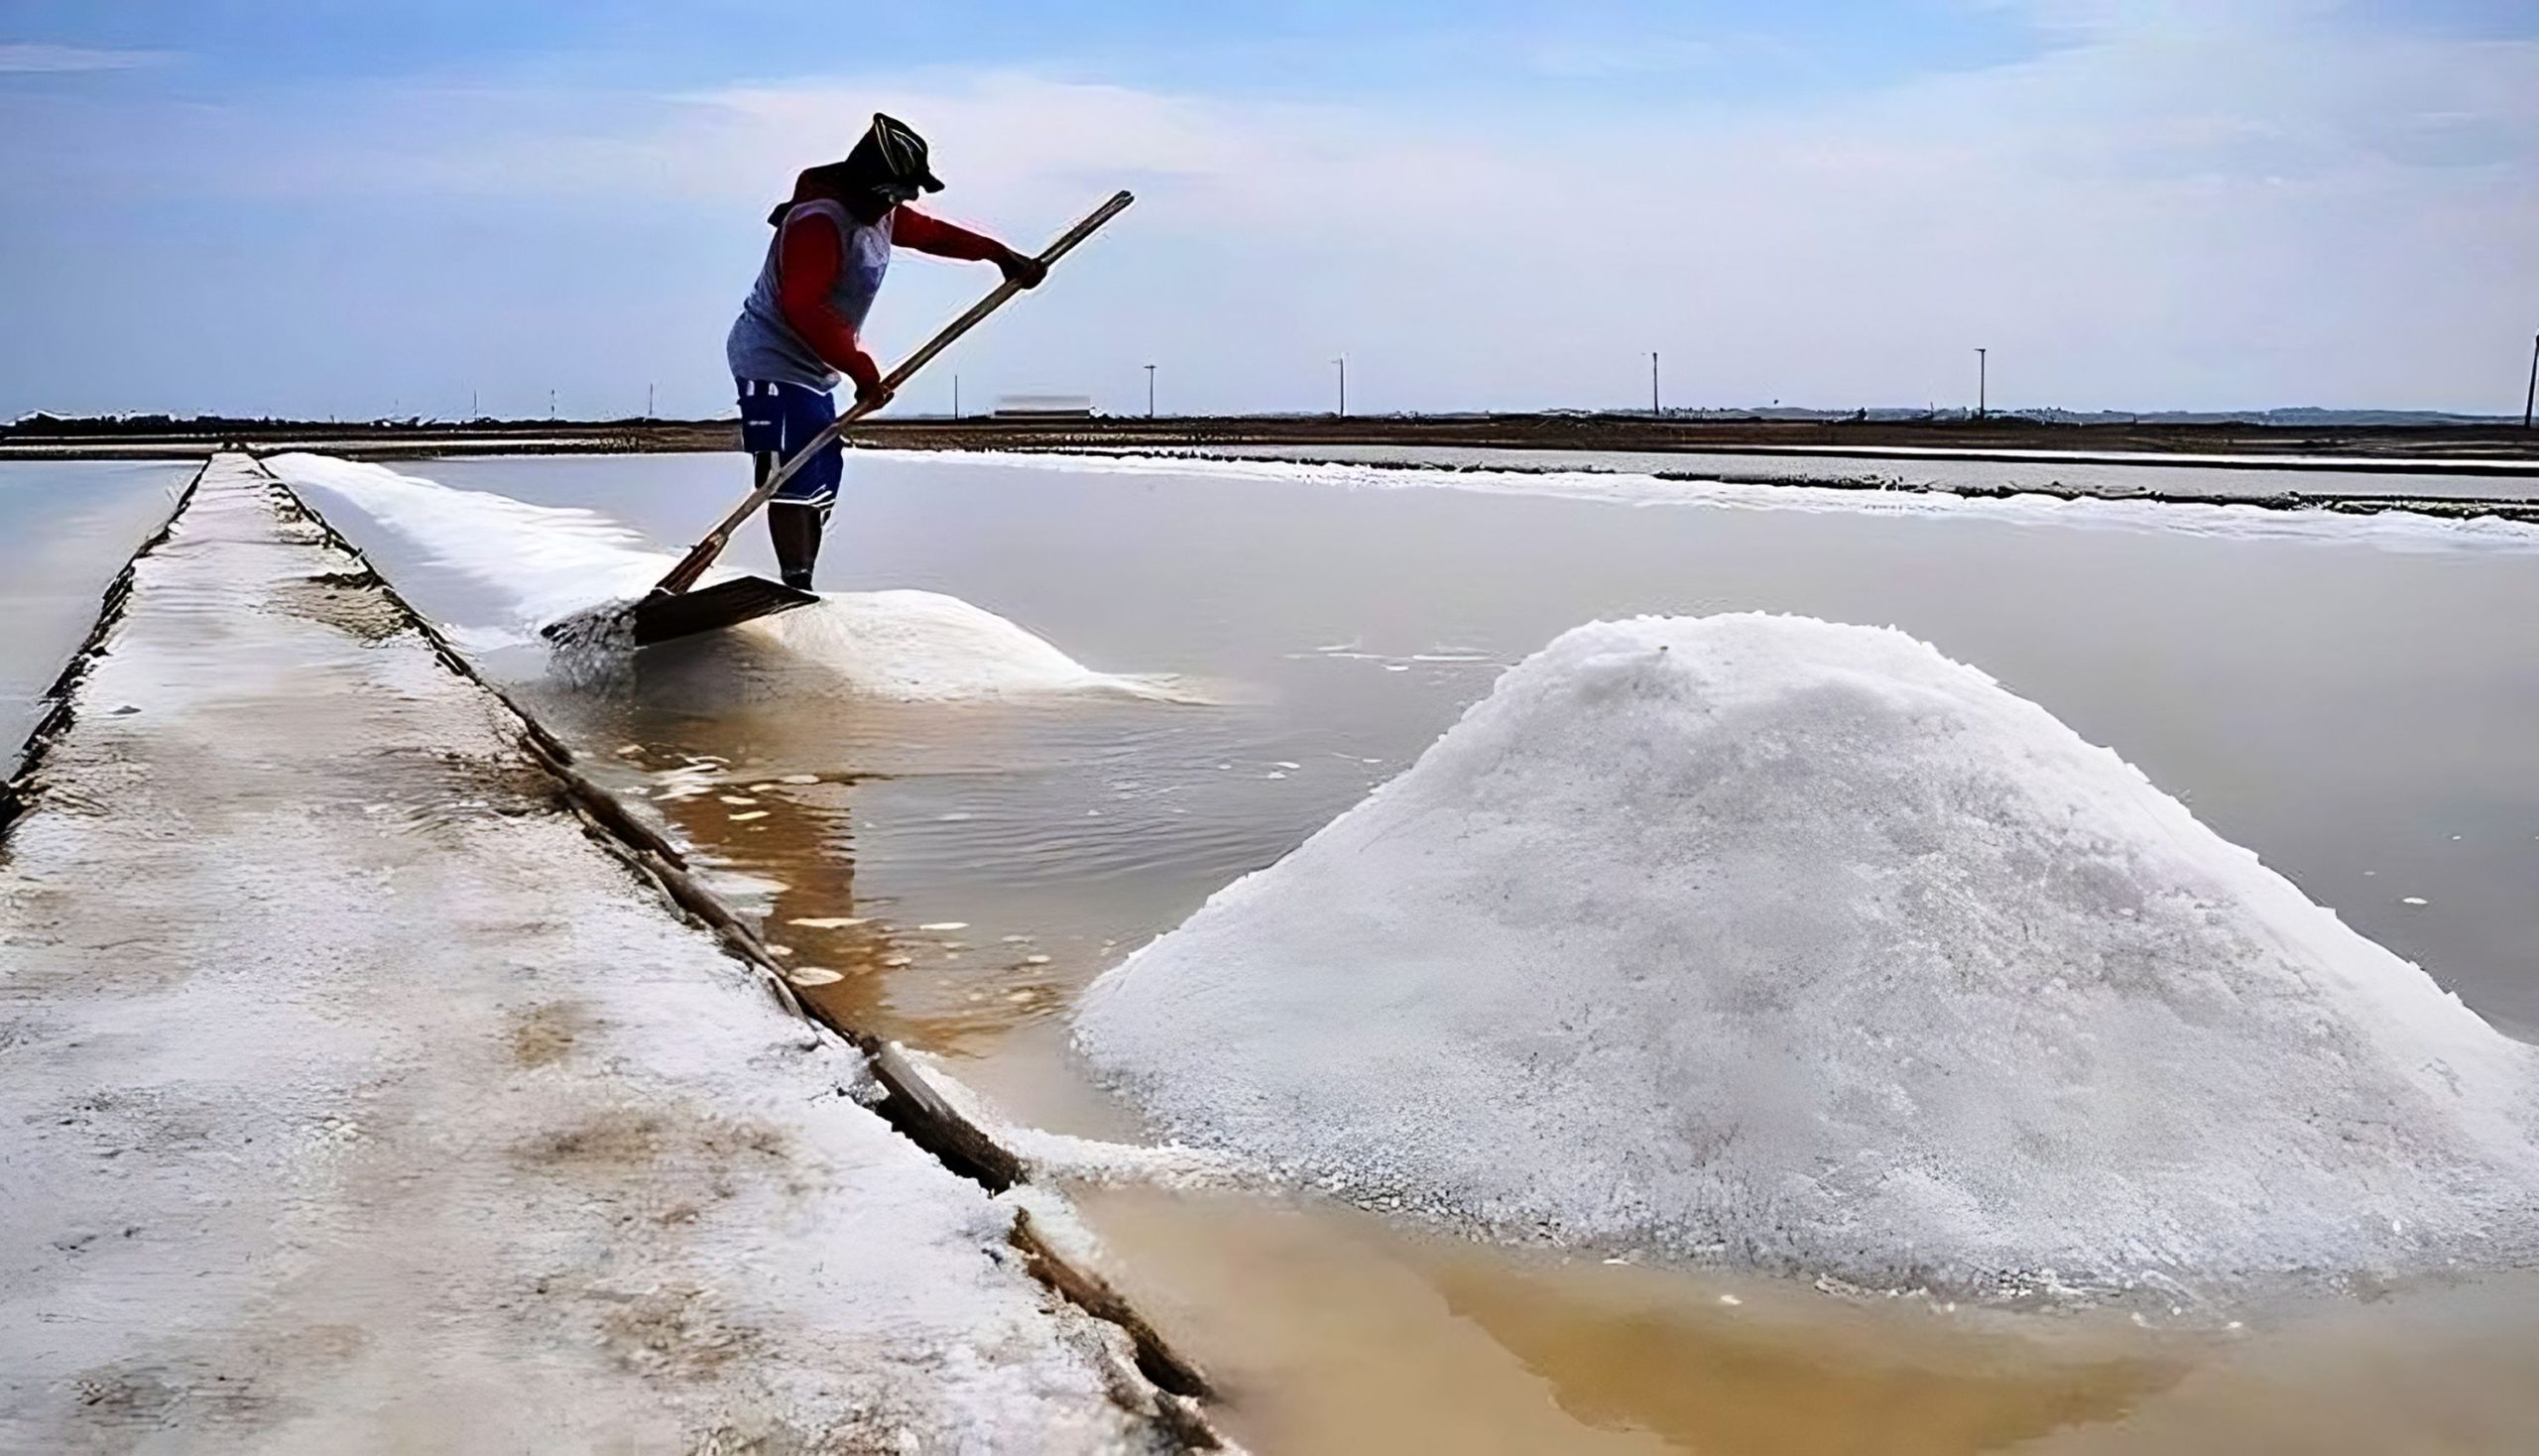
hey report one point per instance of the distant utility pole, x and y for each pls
(1150, 392)
(648, 401)
(2531, 398)
(1655, 413)
(956, 397)
(472, 411)
(551, 403)
(1343, 362)
(1982, 381)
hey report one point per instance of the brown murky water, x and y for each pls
(2357, 713)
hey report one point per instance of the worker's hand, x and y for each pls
(874, 395)
(1021, 269)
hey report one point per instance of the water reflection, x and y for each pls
(778, 838)
(1466, 1347)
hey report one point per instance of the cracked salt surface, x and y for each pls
(1795, 945)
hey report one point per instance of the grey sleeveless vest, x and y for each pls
(762, 344)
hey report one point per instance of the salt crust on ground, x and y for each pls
(1799, 946)
(358, 1101)
(551, 561)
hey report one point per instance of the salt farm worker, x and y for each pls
(795, 337)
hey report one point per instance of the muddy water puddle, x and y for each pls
(953, 874)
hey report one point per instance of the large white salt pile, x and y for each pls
(1799, 945)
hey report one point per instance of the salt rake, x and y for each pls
(673, 611)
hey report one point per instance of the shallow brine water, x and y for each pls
(2350, 699)
(66, 527)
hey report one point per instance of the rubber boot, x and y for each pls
(795, 530)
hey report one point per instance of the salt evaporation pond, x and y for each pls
(2350, 699)
(66, 527)
(1797, 946)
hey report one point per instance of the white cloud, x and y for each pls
(25, 58)
(2146, 216)
(2157, 212)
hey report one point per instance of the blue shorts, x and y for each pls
(777, 421)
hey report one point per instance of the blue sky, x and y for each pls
(351, 208)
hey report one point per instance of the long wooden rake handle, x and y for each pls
(703, 554)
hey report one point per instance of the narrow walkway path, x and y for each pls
(357, 1099)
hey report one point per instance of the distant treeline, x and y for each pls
(42, 426)
(46, 426)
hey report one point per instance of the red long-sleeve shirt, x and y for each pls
(808, 264)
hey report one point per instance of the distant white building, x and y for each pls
(1045, 406)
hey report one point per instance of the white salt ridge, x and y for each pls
(2400, 531)
(568, 564)
(1797, 945)
(554, 560)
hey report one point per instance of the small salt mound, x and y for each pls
(593, 648)
(563, 564)
(922, 647)
(1798, 945)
